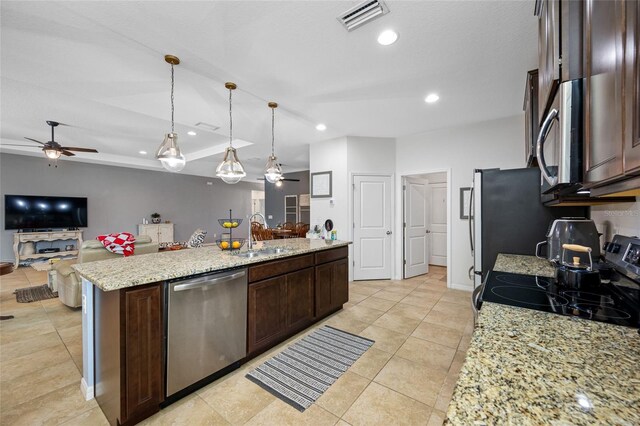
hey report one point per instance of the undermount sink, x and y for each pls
(275, 250)
(249, 254)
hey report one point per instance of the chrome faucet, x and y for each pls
(250, 219)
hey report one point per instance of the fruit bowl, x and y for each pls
(230, 244)
(229, 223)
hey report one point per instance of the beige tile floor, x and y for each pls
(422, 331)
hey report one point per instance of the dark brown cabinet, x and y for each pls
(604, 30)
(128, 349)
(531, 122)
(299, 292)
(266, 312)
(632, 89)
(332, 286)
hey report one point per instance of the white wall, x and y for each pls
(611, 219)
(345, 157)
(495, 143)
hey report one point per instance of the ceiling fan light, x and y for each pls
(273, 171)
(230, 170)
(52, 153)
(170, 155)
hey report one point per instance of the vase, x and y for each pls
(155, 220)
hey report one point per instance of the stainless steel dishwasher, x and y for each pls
(206, 326)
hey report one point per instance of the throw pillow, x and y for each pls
(197, 238)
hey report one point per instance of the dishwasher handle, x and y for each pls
(206, 281)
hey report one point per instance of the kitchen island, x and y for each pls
(528, 367)
(288, 285)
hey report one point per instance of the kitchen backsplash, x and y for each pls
(622, 218)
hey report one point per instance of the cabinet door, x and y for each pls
(548, 53)
(632, 89)
(165, 233)
(324, 277)
(604, 90)
(266, 312)
(143, 378)
(299, 299)
(339, 283)
(531, 121)
(149, 230)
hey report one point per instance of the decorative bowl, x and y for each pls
(229, 223)
(232, 244)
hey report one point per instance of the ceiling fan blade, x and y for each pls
(69, 148)
(67, 153)
(33, 140)
(291, 180)
(15, 144)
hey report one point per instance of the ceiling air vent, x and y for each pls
(362, 13)
(207, 126)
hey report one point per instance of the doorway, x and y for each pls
(372, 225)
(425, 237)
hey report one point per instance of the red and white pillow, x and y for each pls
(121, 243)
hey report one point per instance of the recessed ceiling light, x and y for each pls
(431, 98)
(142, 152)
(321, 127)
(191, 133)
(387, 37)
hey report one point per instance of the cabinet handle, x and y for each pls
(542, 137)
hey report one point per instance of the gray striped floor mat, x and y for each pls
(304, 371)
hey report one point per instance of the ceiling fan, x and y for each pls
(52, 149)
(284, 179)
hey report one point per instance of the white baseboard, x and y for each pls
(86, 390)
(463, 287)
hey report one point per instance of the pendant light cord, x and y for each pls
(230, 120)
(172, 81)
(273, 113)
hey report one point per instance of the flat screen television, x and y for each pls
(41, 212)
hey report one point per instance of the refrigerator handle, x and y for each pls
(471, 220)
(542, 137)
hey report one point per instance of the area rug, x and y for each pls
(304, 371)
(33, 294)
(41, 266)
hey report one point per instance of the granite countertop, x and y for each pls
(528, 367)
(115, 274)
(525, 265)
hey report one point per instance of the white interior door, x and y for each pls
(372, 227)
(438, 225)
(416, 220)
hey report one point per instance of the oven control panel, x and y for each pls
(624, 253)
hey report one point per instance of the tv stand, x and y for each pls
(20, 238)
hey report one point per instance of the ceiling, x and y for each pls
(98, 66)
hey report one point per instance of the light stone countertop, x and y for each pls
(115, 274)
(529, 367)
(525, 265)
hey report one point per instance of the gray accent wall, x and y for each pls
(274, 196)
(119, 197)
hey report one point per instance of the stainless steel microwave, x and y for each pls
(560, 141)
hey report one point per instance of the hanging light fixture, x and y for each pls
(231, 169)
(273, 171)
(169, 152)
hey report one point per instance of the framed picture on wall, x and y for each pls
(465, 203)
(321, 185)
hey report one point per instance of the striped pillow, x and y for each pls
(197, 238)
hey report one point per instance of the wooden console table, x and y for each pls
(34, 237)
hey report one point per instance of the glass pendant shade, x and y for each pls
(273, 171)
(169, 154)
(52, 154)
(231, 169)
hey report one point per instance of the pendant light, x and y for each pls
(273, 171)
(169, 152)
(230, 170)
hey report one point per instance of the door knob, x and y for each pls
(428, 232)
(388, 232)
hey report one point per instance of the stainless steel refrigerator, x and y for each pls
(507, 216)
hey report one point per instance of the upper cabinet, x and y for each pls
(559, 48)
(531, 126)
(612, 145)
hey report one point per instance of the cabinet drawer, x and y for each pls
(34, 237)
(331, 255)
(279, 267)
(63, 235)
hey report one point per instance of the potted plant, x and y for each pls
(155, 218)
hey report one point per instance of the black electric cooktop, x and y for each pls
(617, 303)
